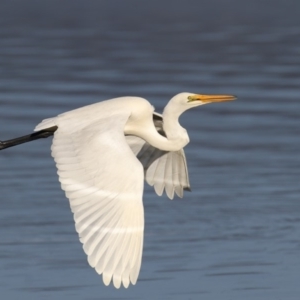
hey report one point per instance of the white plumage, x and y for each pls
(103, 153)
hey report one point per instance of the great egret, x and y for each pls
(103, 152)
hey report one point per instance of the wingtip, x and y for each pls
(187, 188)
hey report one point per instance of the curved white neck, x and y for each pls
(171, 124)
(177, 136)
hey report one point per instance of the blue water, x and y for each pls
(237, 234)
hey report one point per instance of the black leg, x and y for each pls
(28, 138)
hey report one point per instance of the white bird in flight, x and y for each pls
(103, 153)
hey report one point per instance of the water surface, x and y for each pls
(236, 235)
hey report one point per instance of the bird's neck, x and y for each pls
(141, 124)
(176, 136)
(171, 126)
(175, 133)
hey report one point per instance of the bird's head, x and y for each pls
(184, 101)
(191, 100)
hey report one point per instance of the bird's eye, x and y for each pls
(190, 98)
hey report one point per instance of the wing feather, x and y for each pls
(183, 174)
(169, 184)
(104, 183)
(150, 173)
(159, 175)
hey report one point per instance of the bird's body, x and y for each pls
(103, 153)
(103, 180)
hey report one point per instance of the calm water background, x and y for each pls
(237, 234)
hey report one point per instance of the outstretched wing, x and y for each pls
(104, 183)
(163, 170)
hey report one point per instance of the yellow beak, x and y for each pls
(211, 98)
